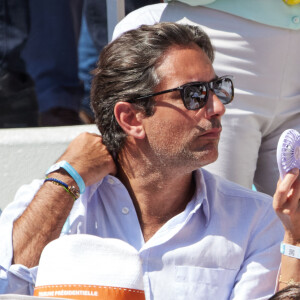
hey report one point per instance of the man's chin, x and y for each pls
(209, 150)
(207, 157)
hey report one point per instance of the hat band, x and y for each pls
(88, 292)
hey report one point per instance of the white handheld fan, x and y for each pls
(288, 151)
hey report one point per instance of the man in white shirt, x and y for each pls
(158, 105)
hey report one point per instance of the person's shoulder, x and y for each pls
(229, 190)
(250, 208)
(109, 185)
(146, 15)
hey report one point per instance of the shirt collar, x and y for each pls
(199, 200)
(200, 196)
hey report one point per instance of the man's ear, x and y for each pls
(129, 119)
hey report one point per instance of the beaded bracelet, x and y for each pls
(68, 188)
(291, 281)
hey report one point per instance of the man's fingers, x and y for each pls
(287, 189)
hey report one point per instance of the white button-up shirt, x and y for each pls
(224, 245)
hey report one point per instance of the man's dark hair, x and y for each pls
(127, 69)
(288, 293)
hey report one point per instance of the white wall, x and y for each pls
(25, 154)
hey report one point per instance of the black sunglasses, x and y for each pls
(195, 94)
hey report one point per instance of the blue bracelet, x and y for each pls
(58, 181)
(70, 189)
(71, 171)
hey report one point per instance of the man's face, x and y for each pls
(179, 137)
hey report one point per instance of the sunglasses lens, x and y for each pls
(223, 88)
(195, 96)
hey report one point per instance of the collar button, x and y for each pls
(125, 210)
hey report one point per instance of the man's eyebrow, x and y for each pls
(216, 77)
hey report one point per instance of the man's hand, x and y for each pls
(286, 205)
(90, 158)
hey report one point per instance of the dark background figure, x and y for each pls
(40, 84)
(51, 53)
(51, 57)
(18, 104)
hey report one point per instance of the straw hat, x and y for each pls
(89, 267)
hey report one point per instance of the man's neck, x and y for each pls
(158, 195)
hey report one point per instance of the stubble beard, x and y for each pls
(185, 159)
(184, 154)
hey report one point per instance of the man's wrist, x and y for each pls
(64, 165)
(290, 250)
(290, 239)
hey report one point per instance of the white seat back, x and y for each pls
(26, 153)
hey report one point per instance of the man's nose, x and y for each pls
(214, 106)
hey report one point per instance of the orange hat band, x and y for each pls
(88, 292)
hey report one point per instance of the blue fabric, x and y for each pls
(51, 53)
(51, 50)
(14, 29)
(88, 55)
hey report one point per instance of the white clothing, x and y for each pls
(269, 12)
(265, 63)
(224, 245)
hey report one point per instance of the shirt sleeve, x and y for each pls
(258, 274)
(15, 278)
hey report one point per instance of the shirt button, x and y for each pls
(296, 19)
(125, 210)
(111, 181)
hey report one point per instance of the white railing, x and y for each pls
(26, 153)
